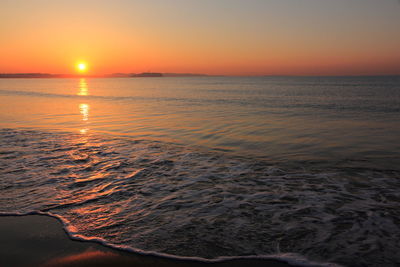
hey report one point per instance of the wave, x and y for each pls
(171, 199)
(290, 258)
(275, 102)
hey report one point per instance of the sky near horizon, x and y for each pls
(230, 37)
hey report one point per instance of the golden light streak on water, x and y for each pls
(84, 110)
(83, 89)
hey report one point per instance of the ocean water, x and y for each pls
(304, 168)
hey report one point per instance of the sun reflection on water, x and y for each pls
(84, 110)
(83, 90)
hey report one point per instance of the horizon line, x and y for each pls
(170, 74)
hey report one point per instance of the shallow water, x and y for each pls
(210, 167)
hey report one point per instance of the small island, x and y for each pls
(148, 74)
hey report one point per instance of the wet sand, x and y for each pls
(38, 240)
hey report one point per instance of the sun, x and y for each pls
(81, 67)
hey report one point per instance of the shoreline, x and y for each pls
(41, 240)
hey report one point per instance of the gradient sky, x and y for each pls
(231, 37)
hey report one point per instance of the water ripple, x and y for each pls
(180, 200)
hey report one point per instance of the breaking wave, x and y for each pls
(180, 200)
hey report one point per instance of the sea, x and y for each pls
(302, 169)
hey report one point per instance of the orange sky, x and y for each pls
(230, 37)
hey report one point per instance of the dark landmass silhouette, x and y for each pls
(148, 74)
(27, 75)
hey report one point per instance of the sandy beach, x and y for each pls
(38, 240)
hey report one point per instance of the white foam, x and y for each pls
(165, 199)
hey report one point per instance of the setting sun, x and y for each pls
(81, 67)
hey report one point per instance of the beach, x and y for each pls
(38, 240)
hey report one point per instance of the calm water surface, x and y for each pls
(212, 166)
